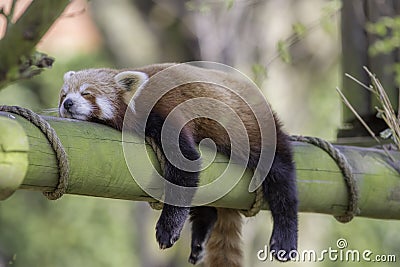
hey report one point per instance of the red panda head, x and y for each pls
(99, 94)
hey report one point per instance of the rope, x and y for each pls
(51, 135)
(345, 167)
(257, 204)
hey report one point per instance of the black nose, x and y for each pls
(68, 104)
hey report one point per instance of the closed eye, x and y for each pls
(85, 93)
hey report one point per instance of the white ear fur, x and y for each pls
(131, 80)
(68, 75)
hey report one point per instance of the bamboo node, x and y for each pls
(51, 135)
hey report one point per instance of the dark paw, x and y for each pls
(166, 235)
(196, 255)
(283, 246)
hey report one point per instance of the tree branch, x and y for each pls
(18, 59)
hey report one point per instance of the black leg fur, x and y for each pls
(280, 191)
(203, 220)
(172, 218)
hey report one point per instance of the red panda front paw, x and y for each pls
(283, 245)
(170, 225)
(166, 235)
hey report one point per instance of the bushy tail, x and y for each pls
(224, 246)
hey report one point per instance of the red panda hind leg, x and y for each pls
(203, 220)
(224, 245)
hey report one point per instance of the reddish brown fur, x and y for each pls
(224, 245)
(203, 127)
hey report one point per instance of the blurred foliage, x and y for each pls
(283, 50)
(74, 231)
(330, 9)
(378, 236)
(206, 6)
(387, 29)
(198, 6)
(301, 30)
(259, 73)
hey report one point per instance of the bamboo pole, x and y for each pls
(97, 168)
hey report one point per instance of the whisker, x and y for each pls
(49, 111)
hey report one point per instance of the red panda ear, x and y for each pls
(131, 80)
(68, 75)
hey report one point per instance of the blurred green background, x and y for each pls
(247, 34)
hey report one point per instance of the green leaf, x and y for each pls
(259, 73)
(229, 4)
(396, 70)
(190, 6)
(377, 28)
(194, 6)
(299, 29)
(283, 50)
(332, 7)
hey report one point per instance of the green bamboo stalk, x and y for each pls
(97, 168)
(14, 150)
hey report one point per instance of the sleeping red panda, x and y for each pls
(103, 95)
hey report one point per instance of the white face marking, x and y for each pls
(81, 108)
(107, 110)
(84, 87)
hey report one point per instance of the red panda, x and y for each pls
(103, 96)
